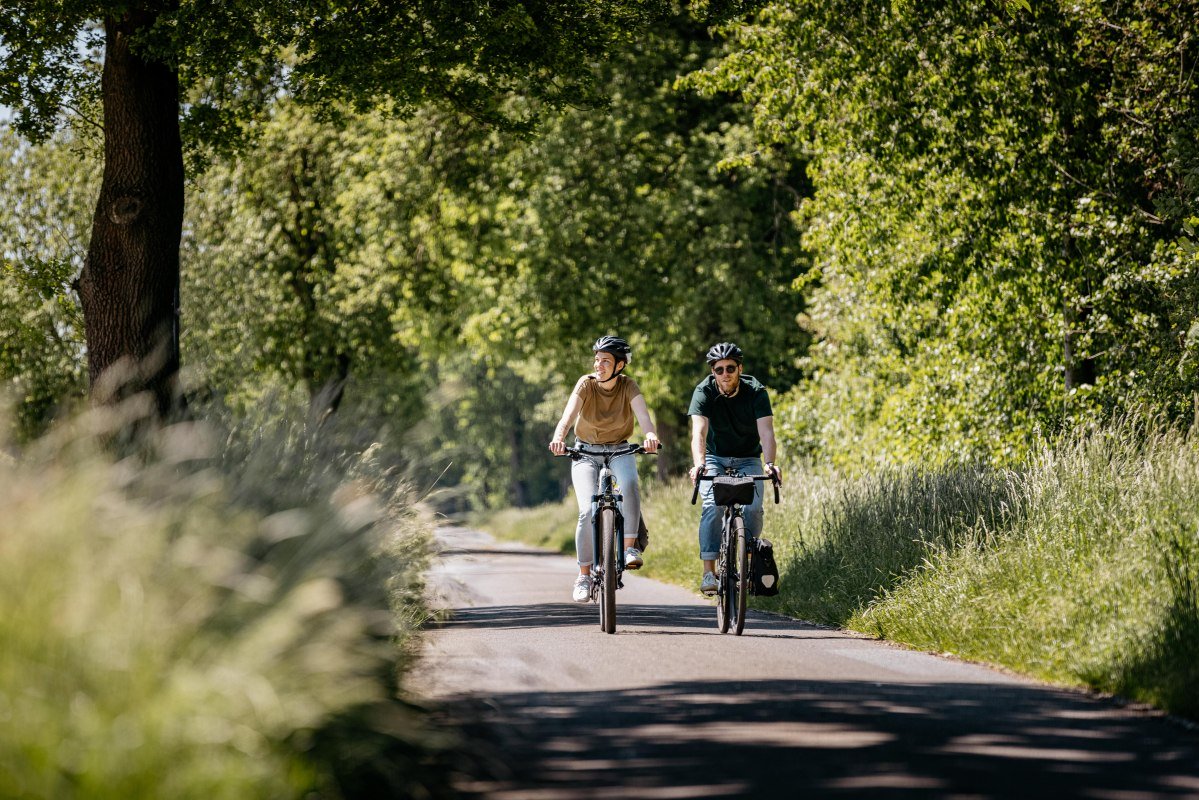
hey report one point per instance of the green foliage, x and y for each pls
(42, 239)
(195, 622)
(458, 275)
(625, 221)
(996, 221)
(232, 57)
(295, 267)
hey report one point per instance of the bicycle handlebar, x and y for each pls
(582, 450)
(771, 477)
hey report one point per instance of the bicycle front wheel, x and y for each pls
(739, 593)
(723, 588)
(608, 589)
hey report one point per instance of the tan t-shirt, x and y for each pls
(606, 416)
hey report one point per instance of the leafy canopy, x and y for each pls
(231, 56)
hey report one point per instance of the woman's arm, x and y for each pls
(558, 444)
(641, 412)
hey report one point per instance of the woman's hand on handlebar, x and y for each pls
(558, 447)
(651, 443)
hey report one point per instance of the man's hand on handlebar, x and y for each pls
(773, 469)
(695, 472)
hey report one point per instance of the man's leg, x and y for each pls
(709, 526)
(753, 511)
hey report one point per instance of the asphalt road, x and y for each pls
(551, 707)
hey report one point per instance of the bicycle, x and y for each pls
(731, 491)
(607, 525)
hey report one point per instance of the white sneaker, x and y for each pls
(708, 584)
(632, 558)
(582, 592)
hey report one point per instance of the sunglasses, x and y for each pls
(722, 370)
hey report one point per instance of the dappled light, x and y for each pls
(822, 739)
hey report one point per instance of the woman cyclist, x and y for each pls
(601, 408)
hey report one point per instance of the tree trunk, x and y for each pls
(518, 488)
(325, 399)
(1080, 370)
(668, 433)
(129, 287)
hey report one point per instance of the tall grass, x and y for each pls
(1095, 583)
(1080, 566)
(220, 613)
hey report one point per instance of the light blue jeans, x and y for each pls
(584, 474)
(712, 515)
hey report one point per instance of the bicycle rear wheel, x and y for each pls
(608, 589)
(739, 589)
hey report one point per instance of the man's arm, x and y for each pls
(769, 447)
(699, 441)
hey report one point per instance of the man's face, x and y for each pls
(605, 365)
(727, 374)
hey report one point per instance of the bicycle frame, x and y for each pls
(607, 569)
(732, 568)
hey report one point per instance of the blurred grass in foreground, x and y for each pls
(224, 612)
(1079, 567)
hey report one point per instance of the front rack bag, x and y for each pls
(727, 490)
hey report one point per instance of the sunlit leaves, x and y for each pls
(988, 190)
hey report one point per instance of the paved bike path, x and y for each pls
(669, 708)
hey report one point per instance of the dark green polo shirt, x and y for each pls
(732, 421)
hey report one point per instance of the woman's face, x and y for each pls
(605, 365)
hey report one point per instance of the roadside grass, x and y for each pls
(220, 611)
(551, 525)
(1079, 567)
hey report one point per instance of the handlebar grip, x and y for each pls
(776, 491)
(695, 491)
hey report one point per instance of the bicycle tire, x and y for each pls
(722, 582)
(608, 590)
(740, 592)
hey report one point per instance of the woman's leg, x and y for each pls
(583, 474)
(625, 470)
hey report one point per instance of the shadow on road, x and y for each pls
(814, 739)
(629, 618)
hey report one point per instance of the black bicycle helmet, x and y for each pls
(618, 347)
(720, 352)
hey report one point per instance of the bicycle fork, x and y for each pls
(604, 500)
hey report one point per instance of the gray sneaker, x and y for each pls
(708, 584)
(632, 558)
(582, 592)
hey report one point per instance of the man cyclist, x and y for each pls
(731, 426)
(601, 408)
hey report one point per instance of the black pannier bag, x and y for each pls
(727, 490)
(642, 533)
(763, 572)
